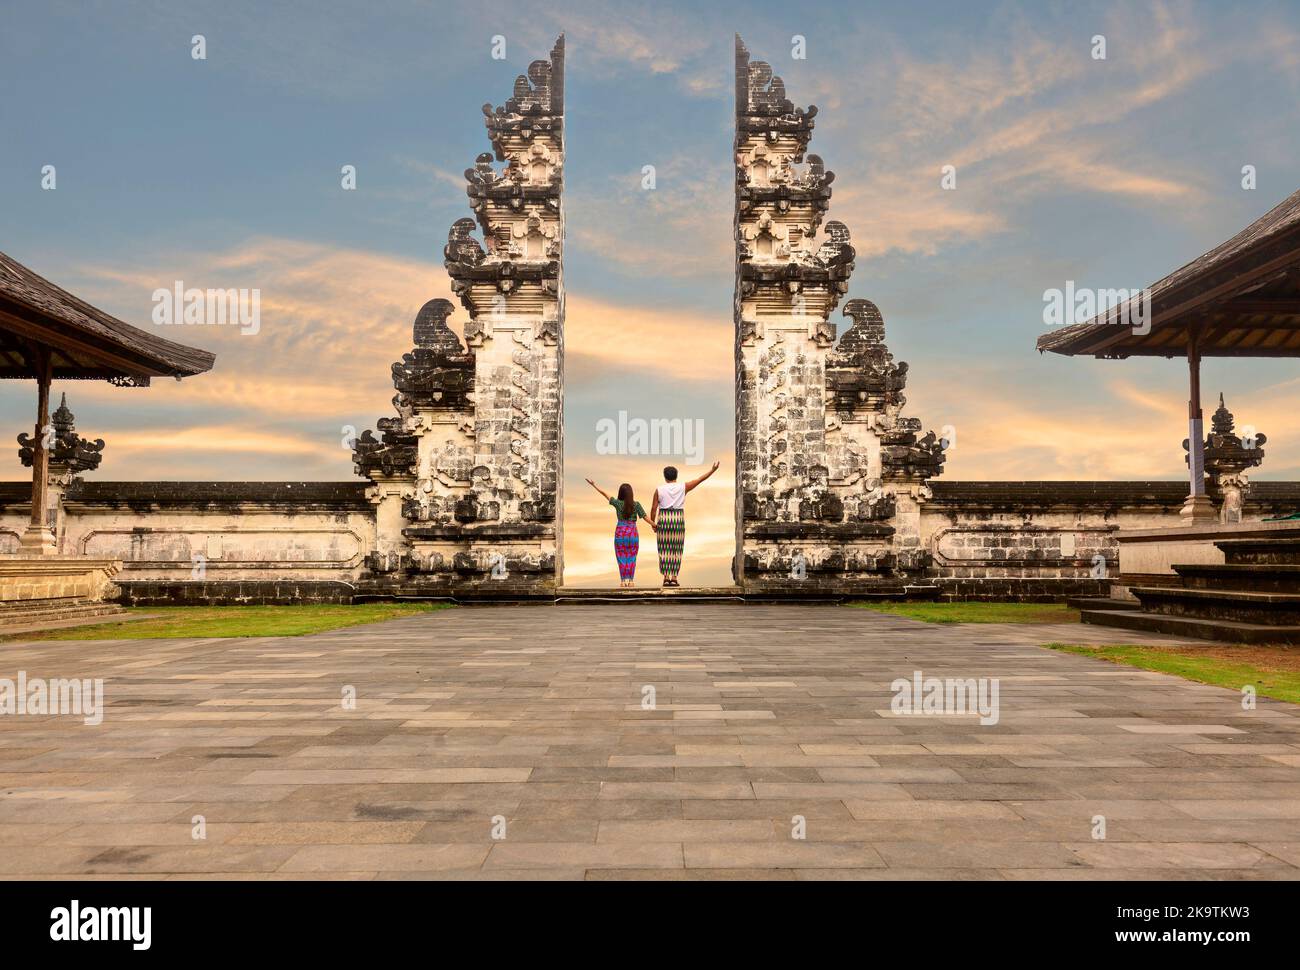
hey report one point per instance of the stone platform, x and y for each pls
(40, 591)
(533, 716)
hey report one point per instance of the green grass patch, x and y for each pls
(234, 621)
(977, 612)
(1272, 671)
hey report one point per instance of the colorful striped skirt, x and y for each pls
(626, 545)
(670, 538)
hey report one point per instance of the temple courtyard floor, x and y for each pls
(640, 741)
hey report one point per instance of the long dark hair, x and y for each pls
(629, 502)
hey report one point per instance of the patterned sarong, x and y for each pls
(626, 545)
(670, 539)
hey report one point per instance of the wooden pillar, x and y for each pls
(1198, 507)
(39, 537)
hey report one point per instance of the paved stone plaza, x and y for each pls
(533, 715)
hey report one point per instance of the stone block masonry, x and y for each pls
(312, 542)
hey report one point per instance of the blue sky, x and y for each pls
(225, 172)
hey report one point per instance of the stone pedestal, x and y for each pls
(28, 579)
(38, 541)
(1198, 509)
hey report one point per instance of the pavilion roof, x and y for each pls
(85, 343)
(1241, 299)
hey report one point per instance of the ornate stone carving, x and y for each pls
(472, 462)
(70, 454)
(821, 444)
(395, 453)
(439, 372)
(907, 456)
(861, 374)
(1228, 457)
(1228, 454)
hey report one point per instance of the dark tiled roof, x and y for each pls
(1240, 291)
(87, 343)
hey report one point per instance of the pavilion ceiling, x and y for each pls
(1241, 299)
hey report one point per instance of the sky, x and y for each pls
(225, 172)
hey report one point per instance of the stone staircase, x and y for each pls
(27, 616)
(1252, 597)
(793, 592)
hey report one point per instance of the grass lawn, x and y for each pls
(233, 621)
(978, 612)
(1273, 671)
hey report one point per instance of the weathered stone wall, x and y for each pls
(1048, 540)
(255, 542)
(215, 541)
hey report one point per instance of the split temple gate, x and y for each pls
(830, 476)
(468, 477)
(837, 490)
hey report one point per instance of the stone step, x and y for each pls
(793, 593)
(19, 607)
(1255, 577)
(1241, 552)
(1244, 606)
(84, 614)
(1226, 631)
(616, 594)
(1101, 603)
(61, 612)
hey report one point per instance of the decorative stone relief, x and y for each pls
(469, 474)
(828, 471)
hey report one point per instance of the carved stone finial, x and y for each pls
(1222, 422)
(431, 331)
(462, 248)
(1227, 454)
(861, 374)
(69, 452)
(761, 104)
(439, 371)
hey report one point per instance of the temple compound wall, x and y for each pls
(282, 542)
(321, 542)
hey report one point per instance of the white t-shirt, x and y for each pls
(672, 496)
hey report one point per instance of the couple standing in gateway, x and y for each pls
(667, 518)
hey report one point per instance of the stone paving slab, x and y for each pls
(519, 743)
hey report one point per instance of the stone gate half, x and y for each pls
(467, 478)
(830, 477)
